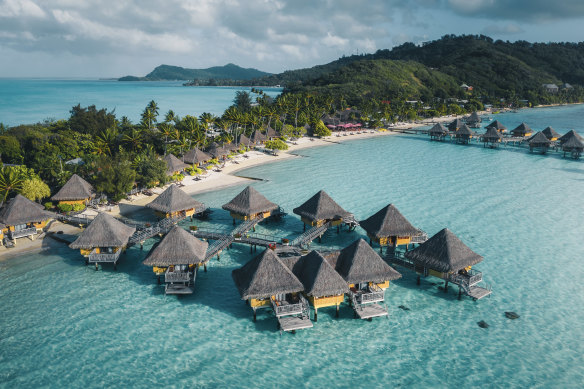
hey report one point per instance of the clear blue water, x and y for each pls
(66, 325)
(25, 101)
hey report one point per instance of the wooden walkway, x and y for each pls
(308, 236)
(293, 323)
(370, 311)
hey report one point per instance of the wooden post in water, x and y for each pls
(234, 221)
(446, 287)
(205, 267)
(337, 310)
(418, 280)
(315, 315)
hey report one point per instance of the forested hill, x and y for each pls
(227, 72)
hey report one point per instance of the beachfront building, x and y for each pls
(250, 204)
(271, 134)
(175, 203)
(321, 209)
(522, 130)
(388, 227)
(539, 142)
(266, 282)
(551, 134)
(196, 157)
(103, 240)
(497, 125)
(445, 256)
(174, 165)
(474, 120)
(323, 286)
(367, 276)
(455, 125)
(243, 140)
(573, 144)
(464, 135)
(177, 256)
(22, 218)
(491, 138)
(217, 151)
(258, 138)
(438, 132)
(75, 191)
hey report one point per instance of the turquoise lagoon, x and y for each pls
(66, 325)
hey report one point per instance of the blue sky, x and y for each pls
(104, 38)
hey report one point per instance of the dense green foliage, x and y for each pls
(216, 73)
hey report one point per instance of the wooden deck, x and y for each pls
(293, 323)
(370, 311)
(477, 292)
(178, 289)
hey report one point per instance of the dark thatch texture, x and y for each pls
(473, 118)
(539, 140)
(271, 133)
(174, 199)
(492, 135)
(573, 143)
(444, 252)
(437, 130)
(321, 207)
(264, 276)
(464, 131)
(359, 263)
(521, 130)
(174, 164)
(249, 202)
(104, 231)
(217, 151)
(550, 133)
(21, 210)
(388, 221)
(569, 135)
(178, 247)
(243, 140)
(497, 125)
(75, 189)
(258, 137)
(317, 275)
(196, 156)
(455, 125)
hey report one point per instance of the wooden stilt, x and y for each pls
(459, 292)
(251, 248)
(370, 242)
(254, 315)
(233, 221)
(304, 229)
(315, 315)
(418, 280)
(320, 239)
(158, 280)
(205, 267)
(446, 287)
(96, 268)
(380, 249)
(337, 310)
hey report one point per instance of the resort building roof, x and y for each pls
(550, 133)
(196, 156)
(178, 247)
(497, 125)
(174, 164)
(444, 252)
(249, 202)
(455, 125)
(243, 140)
(264, 276)
(174, 199)
(521, 130)
(388, 222)
(21, 210)
(271, 133)
(216, 151)
(572, 142)
(438, 128)
(464, 130)
(569, 135)
(321, 207)
(104, 231)
(539, 140)
(318, 277)
(491, 135)
(473, 118)
(76, 188)
(257, 136)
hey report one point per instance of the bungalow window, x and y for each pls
(20, 227)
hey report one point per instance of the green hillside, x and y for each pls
(229, 71)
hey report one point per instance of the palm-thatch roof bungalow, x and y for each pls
(217, 151)
(174, 202)
(551, 134)
(539, 142)
(474, 120)
(243, 140)
(464, 135)
(323, 286)
(103, 240)
(257, 137)
(497, 125)
(445, 256)
(522, 130)
(491, 138)
(389, 227)
(174, 165)
(569, 135)
(455, 125)
(321, 209)
(178, 256)
(250, 204)
(75, 191)
(196, 157)
(437, 132)
(573, 145)
(2, 227)
(271, 134)
(22, 217)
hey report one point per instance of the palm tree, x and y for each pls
(170, 116)
(133, 140)
(166, 130)
(148, 118)
(10, 180)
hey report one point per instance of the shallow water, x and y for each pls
(64, 324)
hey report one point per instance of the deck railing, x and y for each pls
(177, 276)
(372, 295)
(23, 233)
(104, 257)
(288, 309)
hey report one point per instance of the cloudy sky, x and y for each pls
(111, 38)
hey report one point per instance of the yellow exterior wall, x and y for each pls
(188, 212)
(384, 285)
(159, 270)
(319, 223)
(255, 303)
(72, 202)
(41, 224)
(327, 301)
(250, 217)
(388, 240)
(435, 273)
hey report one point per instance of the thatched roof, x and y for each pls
(455, 125)
(569, 135)
(321, 207)
(271, 133)
(264, 276)
(243, 140)
(75, 189)
(497, 125)
(573, 143)
(317, 275)
(104, 231)
(196, 156)
(473, 118)
(174, 199)
(257, 136)
(178, 247)
(388, 222)
(492, 135)
(249, 202)
(21, 210)
(550, 133)
(539, 140)
(444, 252)
(464, 130)
(521, 130)
(358, 263)
(174, 164)
(216, 150)
(438, 128)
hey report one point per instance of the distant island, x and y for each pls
(215, 74)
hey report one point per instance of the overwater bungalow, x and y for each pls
(196, 157)
(474, 120)
(174, 202)
(266, 282)
(321, 209)
(75, 191)
(445, 256)
(455, 125)
(438, 132)
(522, 130)
(491, 138)
(464, 135)
(103, 240)
(367, 276)
(23, 218)
(573, 145)
(497, 125)
(258, 138)
(539, 142)
(569, 135)
(174, 165)
(177, 256)
(551, 134)
(388, 227)
(250, 204)
(323, 286)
